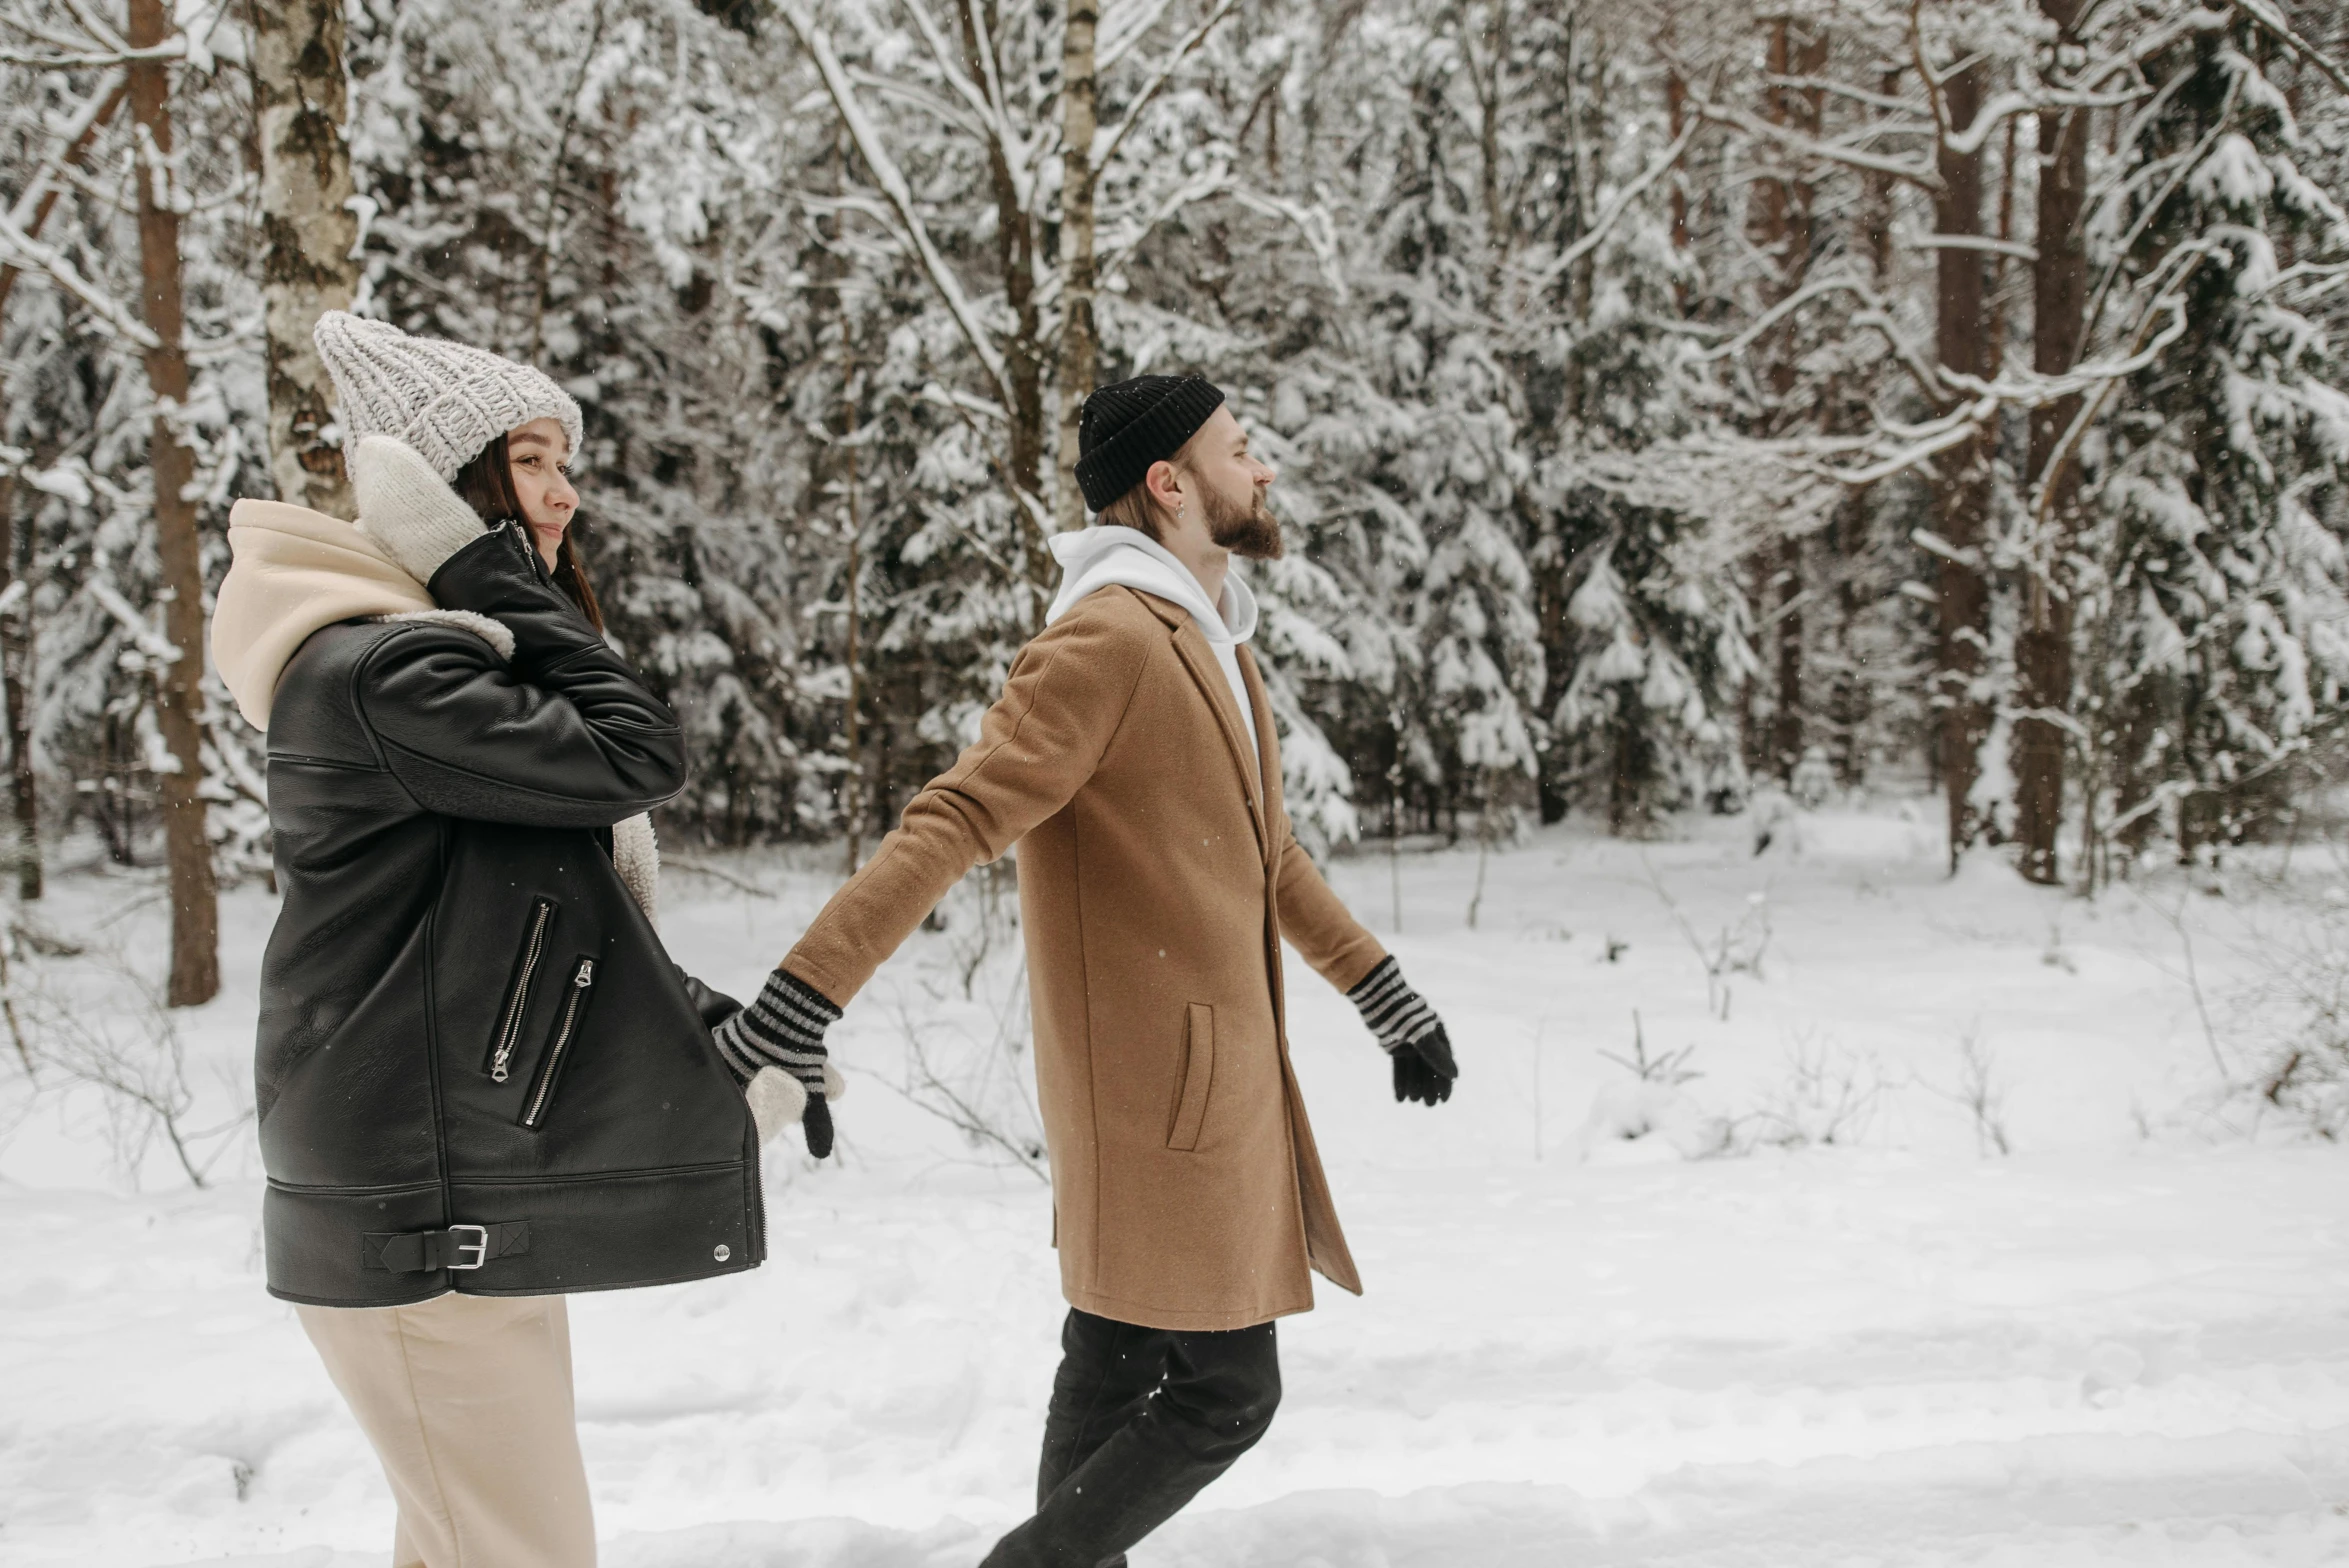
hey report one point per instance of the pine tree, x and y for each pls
(2223, 581)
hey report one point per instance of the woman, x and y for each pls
(481, 1082)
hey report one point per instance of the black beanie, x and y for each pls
(1128, 425)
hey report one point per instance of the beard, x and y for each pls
(1251, 532)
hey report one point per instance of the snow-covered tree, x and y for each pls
(2218, 479)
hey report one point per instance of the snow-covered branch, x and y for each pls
(1555, 267)
(891, 179)
(1914, 171)
(1107, 142)
(19, 249)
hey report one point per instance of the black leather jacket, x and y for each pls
(477, 1068)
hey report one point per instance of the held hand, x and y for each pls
(775, 1047)
(1410, 1033)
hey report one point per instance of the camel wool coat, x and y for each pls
(1158, 877)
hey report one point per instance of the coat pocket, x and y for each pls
(1198, 1074)
(576, 997)
(499, 1063)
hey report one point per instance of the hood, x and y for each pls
(294, 571)
(1108, 556)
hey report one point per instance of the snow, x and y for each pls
(2123, 1345)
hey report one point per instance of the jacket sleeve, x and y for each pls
(1316, 921)
(563, 734)
(1045, 736)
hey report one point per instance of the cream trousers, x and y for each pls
(467, 1400)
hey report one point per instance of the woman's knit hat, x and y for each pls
(1128, 425)
(447, 400)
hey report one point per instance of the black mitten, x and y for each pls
(1409, 1031)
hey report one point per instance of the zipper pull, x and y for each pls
(586, 975)
(497, 1074)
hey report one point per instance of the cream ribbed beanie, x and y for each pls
(447, 400)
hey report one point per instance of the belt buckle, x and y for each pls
(479, 1246)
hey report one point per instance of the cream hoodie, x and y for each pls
(1108, 556)
(294, 572)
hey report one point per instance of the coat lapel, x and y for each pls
(1190, 645)
(1267, 747)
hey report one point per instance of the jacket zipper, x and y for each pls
(582, 981)
(509, 1035)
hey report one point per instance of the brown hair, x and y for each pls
(1132, 510)
(486, 484)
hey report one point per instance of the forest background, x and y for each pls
(1675, 402)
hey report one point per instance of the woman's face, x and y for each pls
(540, 456)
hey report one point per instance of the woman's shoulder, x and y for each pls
(341, 665)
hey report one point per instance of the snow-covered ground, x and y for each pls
(2126, 1342)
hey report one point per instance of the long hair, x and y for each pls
(486, 484)
(1133, 510)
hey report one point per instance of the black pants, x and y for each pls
(1141, 1419)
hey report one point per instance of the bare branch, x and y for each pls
(1981, 242)
(1615, 209)
(1969, 141)
(964, 88)
(893, 185)
(20, 249)
(1121, 27)
(1910, 169)
(1166, 71)
(175, 49)
(2272, 23)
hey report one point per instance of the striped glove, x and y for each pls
(779, 1040)
(1409, 1031)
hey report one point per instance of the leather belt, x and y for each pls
(457, 1247)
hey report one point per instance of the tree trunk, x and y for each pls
(1785, 237)
(195, 913)
(16, 672)
(2043, 642)
(310, 230)
(852, 712)
(1804, 109)
(1876, 202)
(1078, 353)
(1962, 478)
(1023, 355)
(1676, 117)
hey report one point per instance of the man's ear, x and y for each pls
(1164, 482)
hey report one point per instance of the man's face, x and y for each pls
(1231, 487)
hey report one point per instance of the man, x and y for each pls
(1132, 757)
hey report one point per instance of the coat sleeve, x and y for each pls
(1045, 736)
(564, 734)
(1316, 921)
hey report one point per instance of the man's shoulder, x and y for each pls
(1112, 616)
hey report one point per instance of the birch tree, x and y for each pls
(310, 263)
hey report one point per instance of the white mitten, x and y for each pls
(777, 1100)
(409, 509)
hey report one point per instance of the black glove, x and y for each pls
(1409, 1031)
(785, 1028)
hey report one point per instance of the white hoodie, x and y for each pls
(1113, 557)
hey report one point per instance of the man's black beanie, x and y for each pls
(1128, 425)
